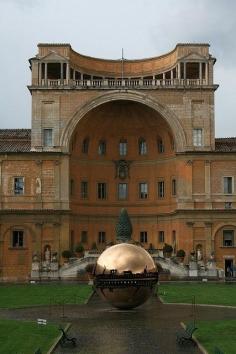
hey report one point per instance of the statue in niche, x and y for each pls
(38, 185)
(199, 255)
(35, 257)
(47, 254)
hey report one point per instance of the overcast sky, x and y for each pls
(100, 28)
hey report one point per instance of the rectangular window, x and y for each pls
(123, 147)
(101, 237)
(85, 146)
(160, 146)
(228, 185)
(228, 238)
(197, 137)
(102, 148)
(19, 185)
(84, 189)
(17, 238)
(143, 237)
(84, 236)
(143, 190)
(161, 236)
(161, 189)
(102, 190)
(122, 191)
(173, 186)
(142, 147)
(47, 137)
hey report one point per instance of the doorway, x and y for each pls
(229, 267)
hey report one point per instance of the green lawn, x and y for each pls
(219, 334)
(12, 296)
(205, 293)
(18, 337)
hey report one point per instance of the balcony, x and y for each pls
(121, 83)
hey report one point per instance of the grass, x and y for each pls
(205, 293)
(219, 334)
(18, 337)
(14, 296)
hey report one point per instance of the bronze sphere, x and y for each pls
(125, 275)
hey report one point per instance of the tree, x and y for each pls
(123, 227)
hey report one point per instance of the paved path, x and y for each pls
(100, 329)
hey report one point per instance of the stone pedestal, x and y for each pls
(212, 273)
(193, 273)
(193, 269)
(35, 270)
(44, 270)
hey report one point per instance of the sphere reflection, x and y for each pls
(125, 275)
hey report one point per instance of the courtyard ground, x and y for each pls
(148, 329)
(204, 293)
(26, 295)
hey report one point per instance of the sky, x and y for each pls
(144, 28)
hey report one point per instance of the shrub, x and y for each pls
(167, 248)
(94, 246)
(79, 248)
(180, 253)
(67, 254)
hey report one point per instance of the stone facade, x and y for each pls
(109, 134)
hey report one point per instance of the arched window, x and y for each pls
(102, 147)
(142, 146)
(85, 146)
(123, 147)
(160, 145)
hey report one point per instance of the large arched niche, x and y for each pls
(168, 116)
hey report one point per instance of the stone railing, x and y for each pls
(122, 83)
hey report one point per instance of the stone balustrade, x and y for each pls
(123, 83)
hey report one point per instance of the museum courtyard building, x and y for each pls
(112, 134)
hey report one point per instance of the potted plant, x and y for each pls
(94, 248)
(167, 250)
(180, 255)
(79, 249)
(66, 254)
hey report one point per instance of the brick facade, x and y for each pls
(167, 101)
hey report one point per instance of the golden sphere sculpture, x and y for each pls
(125, 275)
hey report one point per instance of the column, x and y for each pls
(171, 75)
(46, 73)
(57, 182)
(210, 72)
(208, 202)
(208, 239)
(208, 179)
(200, 72)
(74, 74)
(40, 74)
(62, 73)
(206, 73)
(67, 73)
(190, 225)
(164, 79)
(178, 71)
